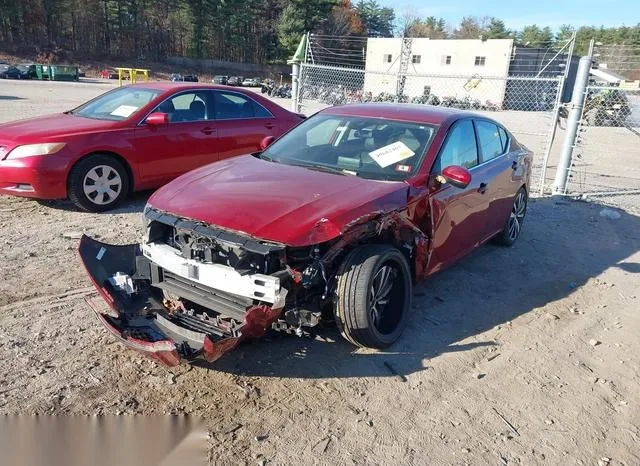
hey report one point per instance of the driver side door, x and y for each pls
(187, 142)
(458, 215)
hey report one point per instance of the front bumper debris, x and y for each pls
(134, 310)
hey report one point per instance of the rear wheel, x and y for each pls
(513, 227)
(373, 296)
(98, 183)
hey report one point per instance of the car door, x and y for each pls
(504, 169)
(458, 215)
(186, 142)
(242, 123)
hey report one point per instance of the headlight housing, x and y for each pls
(30, 150)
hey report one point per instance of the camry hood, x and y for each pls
(287, 204)
(50, 126)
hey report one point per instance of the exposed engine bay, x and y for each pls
(205, 289)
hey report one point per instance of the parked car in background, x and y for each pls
(133, 138)
(251, 82)
(235, 81)
(190, 78)
(81, 73)
(175, 77)
(220, 79)
(108, 73)
(340, 216)
(13, 72)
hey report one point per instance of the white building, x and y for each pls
(458, 68)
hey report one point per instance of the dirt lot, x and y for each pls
(543, 336)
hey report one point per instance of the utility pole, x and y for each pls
(573, 121)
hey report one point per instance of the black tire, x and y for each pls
(507, 237)
(355, 282)
(104, 165)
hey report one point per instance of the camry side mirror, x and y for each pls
(266, 142)
(457, 176)
(157, 118)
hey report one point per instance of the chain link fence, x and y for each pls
(523, 104)
(606, 160)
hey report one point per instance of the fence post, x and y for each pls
(573, 121)
(295, 75)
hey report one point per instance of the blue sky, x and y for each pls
(518, 13)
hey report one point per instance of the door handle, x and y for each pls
(207, 130)
(482, 188)
(269, 125)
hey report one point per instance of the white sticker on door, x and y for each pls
(392, 153)
(124, 111)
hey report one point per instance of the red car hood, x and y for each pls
(276, 202)
(34, 130)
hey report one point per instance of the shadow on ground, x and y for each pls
(135, 203)
(10, 97)
(564, 244)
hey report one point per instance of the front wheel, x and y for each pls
(98, 183)
(513, 226)
(373, 295)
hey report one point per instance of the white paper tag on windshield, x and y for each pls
(124, 111)
(393, 153)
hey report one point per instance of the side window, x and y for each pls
(323, 133)
(231, 106)
(459, 147)
(504, 138)
(489, 139)
(189, 106)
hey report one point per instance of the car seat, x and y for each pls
(197, 110)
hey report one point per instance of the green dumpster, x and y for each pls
(42, 71)
(57, 72)
(63, 73)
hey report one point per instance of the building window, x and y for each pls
(445, 60)
(416, 58)
(386, 58)
(480, 61)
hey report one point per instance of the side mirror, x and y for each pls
(457, 176)
(157, 118)
(266, 142)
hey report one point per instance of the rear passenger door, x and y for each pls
(504, 172)
(242, 123)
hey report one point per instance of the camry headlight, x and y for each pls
(29, 150)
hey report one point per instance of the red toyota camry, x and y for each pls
(133, 138)
(339, 217)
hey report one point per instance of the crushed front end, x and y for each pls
(194, 291)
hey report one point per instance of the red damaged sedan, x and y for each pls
(133, 138)
(335, 220)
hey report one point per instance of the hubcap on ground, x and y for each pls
(517, 216)
(102, 184)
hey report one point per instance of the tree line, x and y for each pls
(255, 31)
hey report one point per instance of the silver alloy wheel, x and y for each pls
(517, 215)
(381, 286)
(102, 184)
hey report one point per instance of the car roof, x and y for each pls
(396, 111)
(169, 86)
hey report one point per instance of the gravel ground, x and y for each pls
(522, 355)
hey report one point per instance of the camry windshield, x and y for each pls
(118, 104)
(372, 148)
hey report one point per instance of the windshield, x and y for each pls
(372, 148)
(118, 104)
